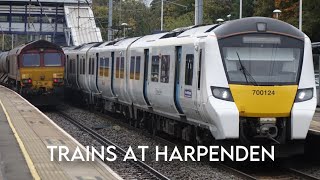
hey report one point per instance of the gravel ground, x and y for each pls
(125, 137)
(124, 169)
(314, 171)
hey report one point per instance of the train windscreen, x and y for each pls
(30, 60)
(262, 59)
(52, 59)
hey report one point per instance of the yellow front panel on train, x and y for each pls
(42, 76)
(264, 101)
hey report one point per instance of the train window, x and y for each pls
(165, 68)
(92, 65)
(117, 67)
(122, 68)
(137, 74)
(189, 70)
(83, 66)
(52, 59)
(199, 71)
(132, 63)
(30, 60)
(80, 68)
(72, 66)
(106, 70)
(155, 69)
(69, 65)
(89, 65)
(102, 66)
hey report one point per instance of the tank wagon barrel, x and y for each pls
(3, 62)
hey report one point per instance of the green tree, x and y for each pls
(264, 8)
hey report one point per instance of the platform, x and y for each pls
(23, 146)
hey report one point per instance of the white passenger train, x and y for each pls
(250, 79)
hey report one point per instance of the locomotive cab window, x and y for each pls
(30, 60)
(262, 59)
(189, 69)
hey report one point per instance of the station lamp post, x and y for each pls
(229, 16)
(276, 13)
(240, 13)
(300, 15)
(124, 25)
(220, 21)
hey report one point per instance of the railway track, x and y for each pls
(276, 173)
(289, 173)
(260, 173)
(141, 166)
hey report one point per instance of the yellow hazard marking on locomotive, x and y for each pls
(24, 151)
(264, 101)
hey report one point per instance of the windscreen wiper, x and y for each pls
(246, 72)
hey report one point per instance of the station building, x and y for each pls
(65, 22)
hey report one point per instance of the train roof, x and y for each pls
(40, 44)
(229, 28)
(257, 25)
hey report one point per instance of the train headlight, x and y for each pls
(221, 93)
(304, 94)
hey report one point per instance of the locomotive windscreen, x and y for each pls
(52, 59)
(262, 59)
(31, 60)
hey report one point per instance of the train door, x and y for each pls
(145, 76)
(177, 85)
(188, 82)
(112, 72)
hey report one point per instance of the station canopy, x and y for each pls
(55, 1)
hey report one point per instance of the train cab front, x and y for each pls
(271, 82)
(42, 74)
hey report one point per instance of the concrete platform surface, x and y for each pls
(34, 132)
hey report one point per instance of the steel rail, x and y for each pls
(301, 174)
(237, 172)
(106, 142)
(226, 167)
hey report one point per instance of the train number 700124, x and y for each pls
(263, 92)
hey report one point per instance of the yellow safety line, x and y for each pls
(30, 164)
